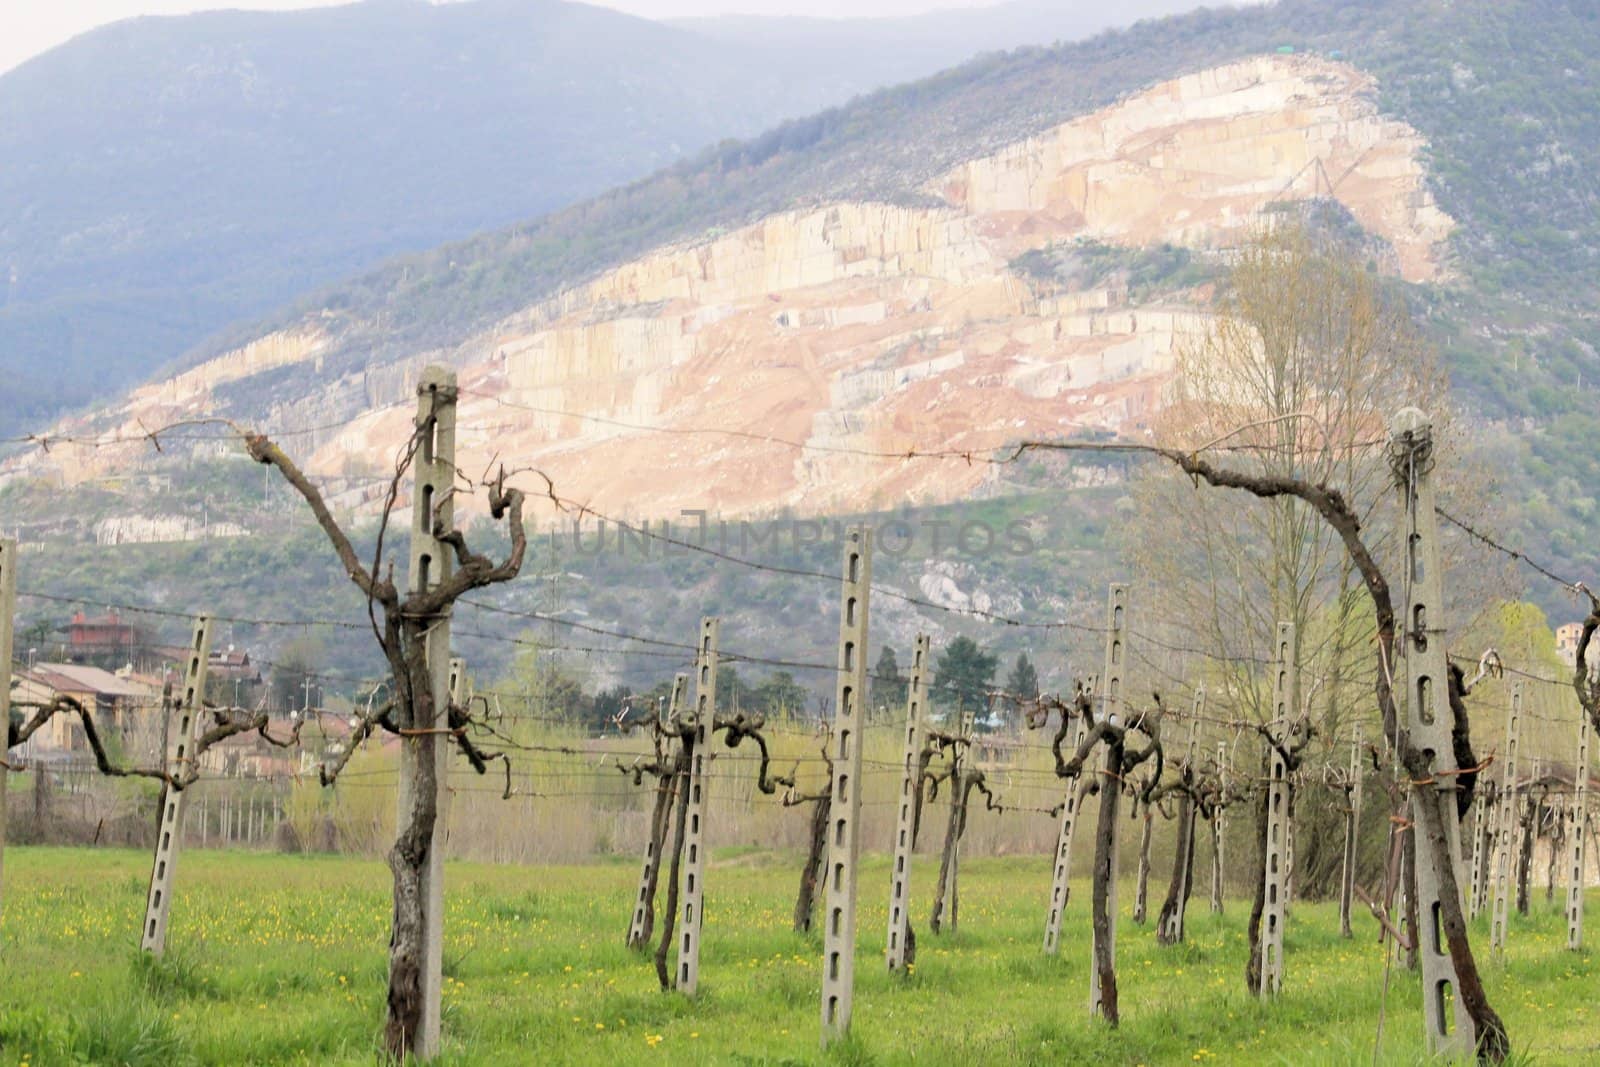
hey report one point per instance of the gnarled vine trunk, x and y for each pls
(805, 901)
(1104, 879)
(1258, 899)
(946, 899)
(1530, 823)
(660, 822)
(1408, 868)
(1142, 889)
(1181, 887)
(1557, 839)
(680, 825)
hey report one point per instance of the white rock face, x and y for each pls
(939, 583)
(154, 529)
(838, 342)
(1193, 161)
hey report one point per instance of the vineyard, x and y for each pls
(1458, 860)
(1296, 814)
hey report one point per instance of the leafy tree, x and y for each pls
(963, 676)
(732, 690)
(655, 698)
(888, 685)
(607, 705)
(35, 635)
(536, 687)
(294, 681)
(780, 696)
(1023, 681)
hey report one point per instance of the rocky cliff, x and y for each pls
(789, 362)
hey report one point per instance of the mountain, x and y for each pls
(1002, 250)
(161, 178)
(858, 326)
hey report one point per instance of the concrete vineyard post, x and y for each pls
(1285, 702)
(1059, 888)
(1423, 671)
(428, 745)
(1219, 831)
(694, 839)
(1580, 802)
(1352, 829)
(900, 872)
(1505, 834)
(169, 835)
(844, 843)
(1480, 817)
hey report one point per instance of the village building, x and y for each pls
(101, 637)
(1567, 638)
(124, 707)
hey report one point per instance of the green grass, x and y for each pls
(282, 959)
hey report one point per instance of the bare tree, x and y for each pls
(401, 624)
(1306, 347)
(963, 779)
(665, 768)
(1336, 510)
(1201, 793)
(1306, 356)
(1290, 745)
(735, 729)
(1118, 763)
(805, 901)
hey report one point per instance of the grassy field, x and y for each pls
(280, 959)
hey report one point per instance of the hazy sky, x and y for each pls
(28, 27)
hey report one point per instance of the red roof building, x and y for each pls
(105, 635)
